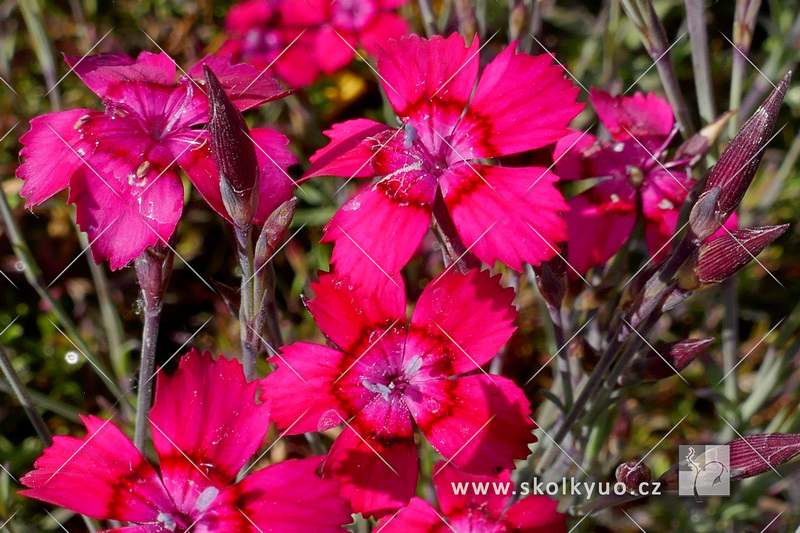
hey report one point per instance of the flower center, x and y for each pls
(394, 383)
(352, 14)
(258, 42)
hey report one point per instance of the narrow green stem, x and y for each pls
(701, 64)
(248, 332)
(730, 339)
(428, 19)
(24, 398)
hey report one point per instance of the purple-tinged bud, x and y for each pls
(737, 165)
(234, 154)
(272, 233)
(722, 257)
(703, 221)
(756, 454)
(695, 147)
(666, 361)
(633, 474)
(153, 271)
(551, 279)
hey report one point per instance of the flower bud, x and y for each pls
(755, 454)
(664, 360)
(695, 147)
(551, 279)
(632, 474)
(737, 165)
(722, 257)
(703, 221)
(272, 233)
(234, 154)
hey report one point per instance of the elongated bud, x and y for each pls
(632, 474)
(756, 454)
(695, 147)
(551, 279)
(703, 221)
(664, 360)
(272, 233)
(234, 154)
(153, 271)
(737, 165)
(722, 257)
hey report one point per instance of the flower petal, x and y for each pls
(663, 194)
(599, 221)
(470, 313)
(648, 118)
(206, 425)
(308, 370)
(344, 312)
(52, 151)
(417, 517)
(377, 476)
(384, 26)
(522, 102)
(447, 477)
(103, 72)
(506, 214)
(400, 205)
(122, 212)
(422, 76)
(478, 423)
(101, 475)
(569, 155)
(351, 150)
(288, 497)
(338, 49)
(537, 514)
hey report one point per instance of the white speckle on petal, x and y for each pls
(413, 365)
(665, 204)
(614, 198)
(168, 521)
(206, 498)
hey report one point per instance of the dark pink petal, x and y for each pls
(391, 4)
(206, 425)
(274, 182)
(479, 423)
(336, 49)
(350, 152)
(384, 26)
(417, 517)
(305, 13)
(103, 72)
(400, 205)
(663, 194)
(246, 86)
(101, 475)
(344, 313)
(569, 155)
(287, 497)
(648, 118)
(308, 370)
(522, 102)
(494, 500)
(422, 76)
(506, 214)
(537, 514)
(297, 64)
(471, 313)
(245, 15)
(152, 528)
(122, 213)
(377, 476)
(600, 221)
(52, 151)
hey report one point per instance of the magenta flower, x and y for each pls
(465, 510)
(206, 425)
(121, 165)
(299, 39)
(386, 374)
(509, 214)
(602, 218)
